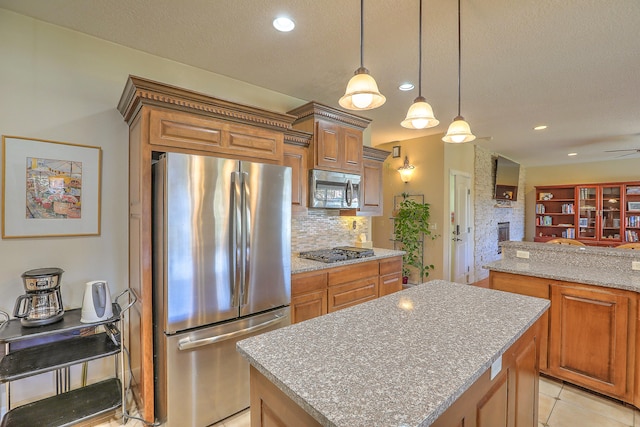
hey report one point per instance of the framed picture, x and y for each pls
(583, 222)
(49, 188)
(396, 151)
(634, 206)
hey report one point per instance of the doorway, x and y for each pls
(461, 228)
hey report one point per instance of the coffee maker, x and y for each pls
(42, 304)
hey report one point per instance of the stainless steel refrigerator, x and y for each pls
(222, 272)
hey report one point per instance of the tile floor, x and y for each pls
(560, 405)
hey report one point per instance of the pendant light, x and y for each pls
(362, 90)
(459, 130)
(420, 114)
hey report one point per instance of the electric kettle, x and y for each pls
(96, 305)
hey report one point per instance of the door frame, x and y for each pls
(449, 229)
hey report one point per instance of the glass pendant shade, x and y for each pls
(420, 115)
(406, 170)
(459, 132)
(362, 92)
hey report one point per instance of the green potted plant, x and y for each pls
(411, 227)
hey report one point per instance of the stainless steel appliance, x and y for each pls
(340, 253)
(42, 304)
(334, 190)
(222, 272)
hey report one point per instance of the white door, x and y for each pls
(461, 230)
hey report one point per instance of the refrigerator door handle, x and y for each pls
(235, 233)
(246, 239)
(187, 344)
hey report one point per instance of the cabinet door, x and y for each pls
(588, 209)
(296, 158)
(390, 276)
(589, 338)
(352, 149)
(610, 220)
(307, 306)
(352, 293)
(327, 145)
(371, 188)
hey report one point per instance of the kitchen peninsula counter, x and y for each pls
(400, 360)
(607, 267)
(301, 265)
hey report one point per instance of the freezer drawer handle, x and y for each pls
(187, 344)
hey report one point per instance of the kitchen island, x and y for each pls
(434, 354)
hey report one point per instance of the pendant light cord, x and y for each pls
(361, 32)
(420, 53)
(459, 58)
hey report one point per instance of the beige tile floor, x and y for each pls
(561, 405)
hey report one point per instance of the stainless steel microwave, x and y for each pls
(333, 190)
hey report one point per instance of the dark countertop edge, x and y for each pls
(318, 265)
(538, 270)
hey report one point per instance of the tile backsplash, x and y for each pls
(325, 228)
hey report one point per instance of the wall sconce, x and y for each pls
(406, 170)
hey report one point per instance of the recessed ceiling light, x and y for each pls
(406, 86)
(283, 24)
(541, 127)
(572, 154)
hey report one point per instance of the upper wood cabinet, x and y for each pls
(371, 189)
(337, 137)
(296, 154)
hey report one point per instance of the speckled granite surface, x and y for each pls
(400, 360)
(301, 265)
(608, 267)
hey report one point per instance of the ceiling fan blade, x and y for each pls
(637, 150)
(625, 155)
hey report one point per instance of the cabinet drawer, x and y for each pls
(390, 265)
(359, 291)
(352, 272)
(523, 285)
(308, 282)
(390, 283)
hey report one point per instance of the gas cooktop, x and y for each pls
(340, 253)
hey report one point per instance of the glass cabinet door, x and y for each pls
(587, 212)
(610, 213)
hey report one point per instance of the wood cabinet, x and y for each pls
(371, 188)
(164, 118)
(595, 214)
(590, 333)
(324, 291)
(295, 155)
(533, 287)
(591, 340)
(337, 137)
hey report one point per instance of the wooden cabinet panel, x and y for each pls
(589, 338)
(351, 272)
(533, 287)
(371, 188)
(352, 146)
(352, 293)
(296, 158)
(327, 145)
(389, 284)
(307, 282)
(526, 385)
(492, 409)
(190, 132)
(390, 265)
(309, 305)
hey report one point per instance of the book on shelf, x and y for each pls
(630, 236)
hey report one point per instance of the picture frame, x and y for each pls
(583, 222)
(50, 188)
(396, 151)
(633, 206)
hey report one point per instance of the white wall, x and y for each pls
(61, 85)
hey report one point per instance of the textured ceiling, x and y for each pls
(571, 64)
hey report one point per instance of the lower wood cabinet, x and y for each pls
(324, 291)
(590, 335)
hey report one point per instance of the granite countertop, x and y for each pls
(588, 274)
(301, 265)
(400, 360)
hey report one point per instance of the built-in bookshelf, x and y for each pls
(606, 214)
(555, 212)
(632, 213)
